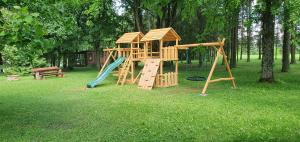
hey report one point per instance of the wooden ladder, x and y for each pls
(124, 71)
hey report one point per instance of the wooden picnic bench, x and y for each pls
(40, 73)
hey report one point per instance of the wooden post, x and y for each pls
(146, 49)
(211, 72)
(119, 50)
(132, 65)
(176, 66)
(161, 43)
(104, 65)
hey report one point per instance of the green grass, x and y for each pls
(61, 109)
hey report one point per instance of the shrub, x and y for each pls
(23, 40)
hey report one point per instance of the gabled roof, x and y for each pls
(130, 37)
(166, 34)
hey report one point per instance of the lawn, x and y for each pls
(61, 109)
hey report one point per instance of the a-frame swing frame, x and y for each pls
(220, 52)
(219, 47)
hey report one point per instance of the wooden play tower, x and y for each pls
(153, 50)
(160, 54)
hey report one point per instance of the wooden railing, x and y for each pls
(124, 52)
(166, 79)
(169, 53)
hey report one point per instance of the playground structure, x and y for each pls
(154, 49)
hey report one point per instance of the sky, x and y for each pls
(119, 8)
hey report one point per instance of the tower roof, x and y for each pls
(165, 34)
(130, 37)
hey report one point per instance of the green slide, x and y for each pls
(106, 72)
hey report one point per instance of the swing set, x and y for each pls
(219, 48)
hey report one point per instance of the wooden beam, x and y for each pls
(201, 44)
(220, 79)
(100, 72)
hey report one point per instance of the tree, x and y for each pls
(293, 50)
(286, 38)
(234, 23)
(259, 45)
(21, 38)
(242, 30)
(249, 28)
(268, 25)
(102, 23)
(136, 7)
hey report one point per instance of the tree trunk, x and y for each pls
(286, 41)
(97, 54)
(237, 53)
(286, 51)
(259, 46)
(138, 17)
(249, 30)
(242, 37)
(200, 59)
(59, 56)
(53, 59)
(188, 56)
(293, 54)
(234, 40)
(1, 60)
(248, 44)
(299, 54)
(268, 25)
(276, 44)
(293, 50)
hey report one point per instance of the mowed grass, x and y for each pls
(62, 109)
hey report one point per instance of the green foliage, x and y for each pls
(102, 22)
(21, 36)
(19, 61)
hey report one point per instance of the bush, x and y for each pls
(19, 61)
(23, 40)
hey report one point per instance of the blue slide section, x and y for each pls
(106, 72)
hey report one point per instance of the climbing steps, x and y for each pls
(149, 73)
(124, 71)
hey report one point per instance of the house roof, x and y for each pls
(166, 34)
(130, 37)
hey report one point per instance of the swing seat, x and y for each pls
(196, 78)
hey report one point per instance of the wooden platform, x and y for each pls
(149, 73)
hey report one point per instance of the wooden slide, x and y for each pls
(149, 73)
